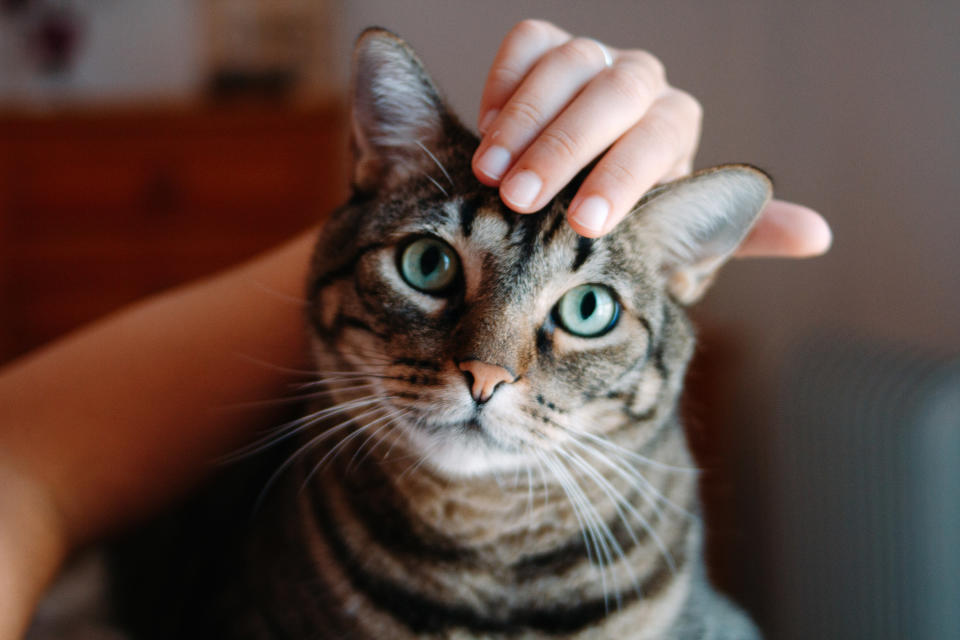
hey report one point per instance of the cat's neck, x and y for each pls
(546, 505)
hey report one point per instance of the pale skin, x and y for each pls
(113, 421)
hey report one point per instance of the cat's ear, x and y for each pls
(698, 221)
(396, 111)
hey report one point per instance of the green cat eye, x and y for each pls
(588, 311)
(429, 265)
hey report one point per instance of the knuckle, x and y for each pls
(621, 175)
(526, 114)
(632, 81)
(557, 142)
(529, 29)
(652, 64)
(505, 76)
(690, 106)
(667, 132)
(582, 51)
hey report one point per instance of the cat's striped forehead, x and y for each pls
(510, 255)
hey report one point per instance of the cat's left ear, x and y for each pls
(695, 223)
(396, 111)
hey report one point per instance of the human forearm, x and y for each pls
(31, 547)
(120, 416)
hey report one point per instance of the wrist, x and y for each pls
(33, 544)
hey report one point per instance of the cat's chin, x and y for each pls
(462, 462)
(465, 455)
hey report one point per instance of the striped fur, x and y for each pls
(563, 507)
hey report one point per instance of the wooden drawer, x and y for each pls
(81, 188)
(146, 184)
(97, 211)
(251, 173)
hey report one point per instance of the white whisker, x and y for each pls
(305, 448)
(332, 453)
(341, 376)
(274, 367)
(530, 513)
(391, 423)
(543, 477)
(632, 475)
(289, 429)
(424, 455)
(435, 183)
(388, 418)
(619, 501)
(253, 404)
(434, 158)
(589, 522)
(631, 454)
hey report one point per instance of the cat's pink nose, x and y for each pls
(484, 378)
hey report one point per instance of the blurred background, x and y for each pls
(144, 143)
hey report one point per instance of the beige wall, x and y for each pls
(134, 50)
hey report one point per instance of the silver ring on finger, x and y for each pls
(607, 56)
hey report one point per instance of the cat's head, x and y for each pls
(479, 337)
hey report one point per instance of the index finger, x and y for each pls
(526, 43)
(787, 230)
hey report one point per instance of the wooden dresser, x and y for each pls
(99, 209)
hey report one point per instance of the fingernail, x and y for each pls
(592, 213)
(522, 189)
(488, 119)
(494, 162)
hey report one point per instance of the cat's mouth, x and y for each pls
(473, 426)
(473, 431)
(468, 447)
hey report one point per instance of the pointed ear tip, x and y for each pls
(374, 42)
(377, 47)
(757, 174)
(747, 169)
(376, 32)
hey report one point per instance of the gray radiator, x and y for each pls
(863, 495)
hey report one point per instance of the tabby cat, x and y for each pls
(498, 453)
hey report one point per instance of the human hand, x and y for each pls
(553, 103)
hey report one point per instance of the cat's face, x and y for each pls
(478, 337)
(447, 282)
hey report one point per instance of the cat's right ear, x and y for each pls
(396, 111)
(695, 223)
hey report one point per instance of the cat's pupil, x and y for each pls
(588, 305)
(429, 260)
